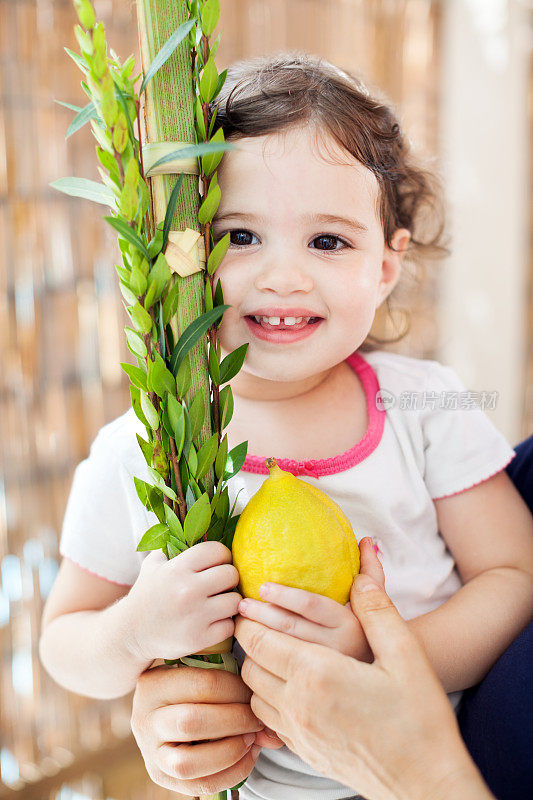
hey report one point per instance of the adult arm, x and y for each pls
(385, 729)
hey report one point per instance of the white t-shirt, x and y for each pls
(426, 439)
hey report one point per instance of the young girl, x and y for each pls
(324, 201)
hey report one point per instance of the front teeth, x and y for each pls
(277, 320)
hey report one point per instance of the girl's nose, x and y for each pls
(283, 276)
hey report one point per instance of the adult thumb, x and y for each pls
(383, 626)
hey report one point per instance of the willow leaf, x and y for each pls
(195, 150)
(192, 333)
(81, 119)
(166, 51)
(169, 215)
(89, 190)
(127, 233)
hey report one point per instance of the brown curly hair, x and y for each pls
(267, 94)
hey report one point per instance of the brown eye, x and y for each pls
(330, 242)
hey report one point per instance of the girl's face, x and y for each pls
(284, 258)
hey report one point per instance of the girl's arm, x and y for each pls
(85, 635)
(489, 531)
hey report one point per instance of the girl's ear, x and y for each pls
(391, 266)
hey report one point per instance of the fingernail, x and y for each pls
(366, 586)
(255, 751)
(264, 589)
(243, 605)
(249, 738)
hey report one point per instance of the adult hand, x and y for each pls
(385, 729)
(195, 729)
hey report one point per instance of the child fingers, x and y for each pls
(222, 606)
(279, 619)
(312, 606)
(203, 555)
(217, 579)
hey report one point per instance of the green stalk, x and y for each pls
(169, 117)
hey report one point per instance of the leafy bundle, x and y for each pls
(188, 493)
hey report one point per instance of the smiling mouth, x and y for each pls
(282, 326)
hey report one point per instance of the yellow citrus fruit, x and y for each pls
(292, 533)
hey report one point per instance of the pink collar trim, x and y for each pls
(361, 450)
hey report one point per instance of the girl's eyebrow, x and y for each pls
(332, 219)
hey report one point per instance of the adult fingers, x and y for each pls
(189, 761)
(370, 563)
(275, 651)
(266, 713)
(162, 686)
(193, 722)
(387, 633)
(212, 783)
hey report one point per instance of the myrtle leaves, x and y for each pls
(180, 465)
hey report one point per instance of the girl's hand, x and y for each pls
(313, 617)
(179, 606)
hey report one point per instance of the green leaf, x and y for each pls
(138, 280)
(127, 233)
(197, 520)
(225, 401)
(120, 132)
(192, 459)
(156, 242)
(166, 51)
(78, 60)
(197, 415)
(176, 415)
(135, 395)
(235, 460)
(177, 543)
(208, 81)
(219, 296)
(183, 377)
(161, 274)
(192, 333)
(127, 294)
(143, 492)
(217, 253)
(220, 462)
(89, 190)
(169, 214)
(195, 150)
(136, 375)
(154, 538)
(211, 161)
(232, 363)
(82, 118)
(221, 81)
(199, 116)
(206, 456)
(170, 304)
(214, 366)
(229, 531)
(222, 506)
(208, 208)
(141, 318)
(149, 411)
(214, 534)
(208, 296)
(147, 449)
(172, 550)
(174, 524)
(210, 16)
(136, 343)
(160, 378)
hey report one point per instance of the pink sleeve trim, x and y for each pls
(96, 575)
(361, 450)
(471, 485)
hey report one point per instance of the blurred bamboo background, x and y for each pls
(61, 330)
